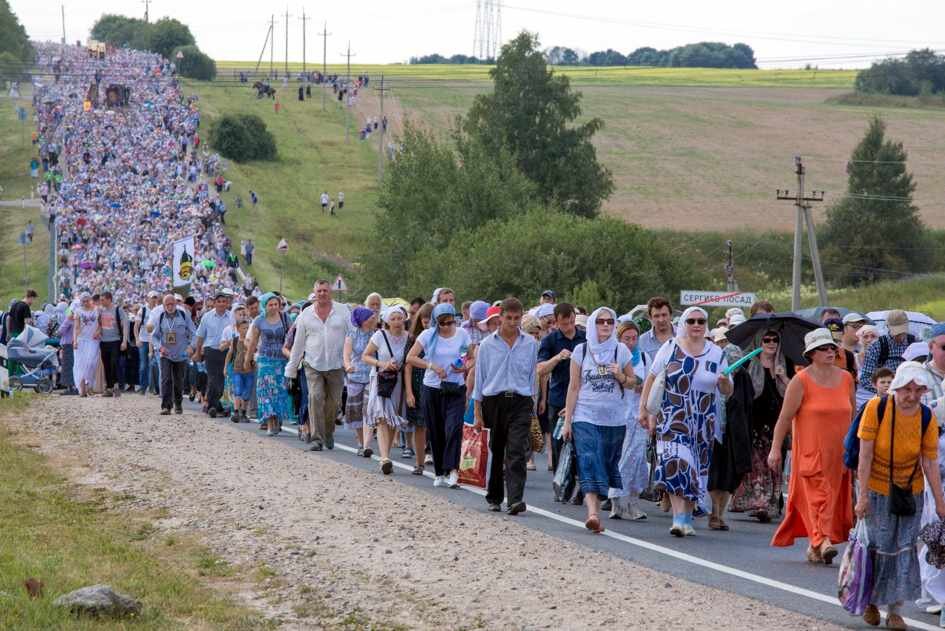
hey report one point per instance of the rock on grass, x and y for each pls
(99, 601)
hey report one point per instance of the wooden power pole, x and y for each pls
(324, 35)
(803, 217)
(380, 137)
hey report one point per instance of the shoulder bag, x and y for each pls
(654, 400)
(387, 380)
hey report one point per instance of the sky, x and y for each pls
(831, 33)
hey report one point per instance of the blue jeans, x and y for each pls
(598, 450)
(144, 367)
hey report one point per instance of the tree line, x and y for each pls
(920, 73)
(698, 55)
(16, 52)
(167, 37)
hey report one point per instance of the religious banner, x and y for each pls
(182, 261)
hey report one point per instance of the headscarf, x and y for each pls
(682, 329)
(360, 315)
(436, 294)
(386, 313)
(439, 310)
(266, 297)
(909, 372)
(624, 326)
(756, 369)
(602, 350)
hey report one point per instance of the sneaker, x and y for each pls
(387, 467)
(494, 508)
(417, 470)
(117, 391)
(361, 452)
(439, 481)
(688, 530)
(178, 410)
(516, 508)
(407, 453)
(367, 452)
(235, 418)
(165, 411)
(271, 432)
(453, 479)
(316, 445)
(428, 459)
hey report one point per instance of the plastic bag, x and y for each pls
(855, 582)
(473, 456)
(565, 480)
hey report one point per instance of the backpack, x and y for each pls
(851, 442)
(884, 349)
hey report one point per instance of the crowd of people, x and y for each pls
(652, 405)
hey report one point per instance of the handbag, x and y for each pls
(387, 380)
(473, 456)
(654, 400)
(537, 438)
(901, 499)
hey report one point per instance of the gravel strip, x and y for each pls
(349, 548)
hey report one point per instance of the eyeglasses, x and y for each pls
(608, 321)
(691, 321)
(770, 340)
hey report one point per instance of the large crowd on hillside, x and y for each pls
(655, 409)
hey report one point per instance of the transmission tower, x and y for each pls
(488, 33)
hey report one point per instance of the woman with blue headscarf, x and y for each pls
(444, 346)
(358, 375)
(685, 425)
(595, 410)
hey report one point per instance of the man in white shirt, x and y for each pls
(143, 336)
(319, 346)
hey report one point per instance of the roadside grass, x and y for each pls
(931, 102)
(68, 542)
(16, 147)
(12, 221)
(313, 156)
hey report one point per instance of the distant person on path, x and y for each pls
(886, 352)
(29, 230)
(341, 200)
(506, 364)
(818, 404)
(254, 198)
(248, 252)
(660, 313)
(319, 347)
(325, 200)
(172, 341)
(209, 337)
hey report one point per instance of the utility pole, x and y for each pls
(287, 42)
(146, 9)
(263, 51)
(62, 8)
(801, 218)
(348, 54)
(324, 35)
(730, 282)
(380, 138)
(272, 46)
(304, 18)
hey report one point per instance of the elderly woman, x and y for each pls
(358, 375)
(375, 303)
(385, 353)
(818, 405)
(760, 492)
(595, 410)
(898, 451)
(685, 426)
(865, 335)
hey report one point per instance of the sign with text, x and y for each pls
(695, 297)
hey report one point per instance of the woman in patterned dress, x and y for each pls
(358, 376)
(268, 335)
(685, 426)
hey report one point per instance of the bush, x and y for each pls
(922, 72)
(195, 64)
(242, 137)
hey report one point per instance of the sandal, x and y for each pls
(827, 552)
(716, 523)
(593, 524)
(417, 470)
(813, 555)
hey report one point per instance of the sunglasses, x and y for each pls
(608, 321)
(827, 348)
(770, 340)
(448, 323)
(691, 321)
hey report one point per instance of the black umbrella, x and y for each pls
(789, 326)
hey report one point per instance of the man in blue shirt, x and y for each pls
(173, 338)
(209, 337)
(554, 354)
(505, 384)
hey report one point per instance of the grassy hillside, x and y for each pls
(313, 156)
(16, 149)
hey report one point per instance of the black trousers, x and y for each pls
(444, 416)
(509, 420)
(110, 353)
(215, 360)
(172, 383)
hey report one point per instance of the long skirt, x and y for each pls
(760, 490)
(272, 400)
(390, 410)
(355, 404)
(86, 363)
(894, 544)
(633, 466)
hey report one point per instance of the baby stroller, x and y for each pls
(33, 361)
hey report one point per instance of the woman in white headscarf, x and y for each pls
(685, 426)
(88, 331)
(386, 353)
(595, 410)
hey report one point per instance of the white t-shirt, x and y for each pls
(601, 400)
(446, 351)
(710, 365)
(397, 344)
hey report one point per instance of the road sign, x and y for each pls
(339, 284)
(283, 246)
(695, 297)
(4, 372)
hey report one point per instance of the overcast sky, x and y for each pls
(838, 33)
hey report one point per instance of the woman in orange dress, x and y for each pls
(819, 401)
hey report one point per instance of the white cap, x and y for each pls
(854, 317)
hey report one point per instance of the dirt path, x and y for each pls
(346, 548)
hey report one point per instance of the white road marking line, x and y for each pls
(653, 547)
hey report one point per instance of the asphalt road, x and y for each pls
(738, 561)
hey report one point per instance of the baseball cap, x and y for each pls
(854, 317)
(549, 293)
(897, 322)
(492, 312)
